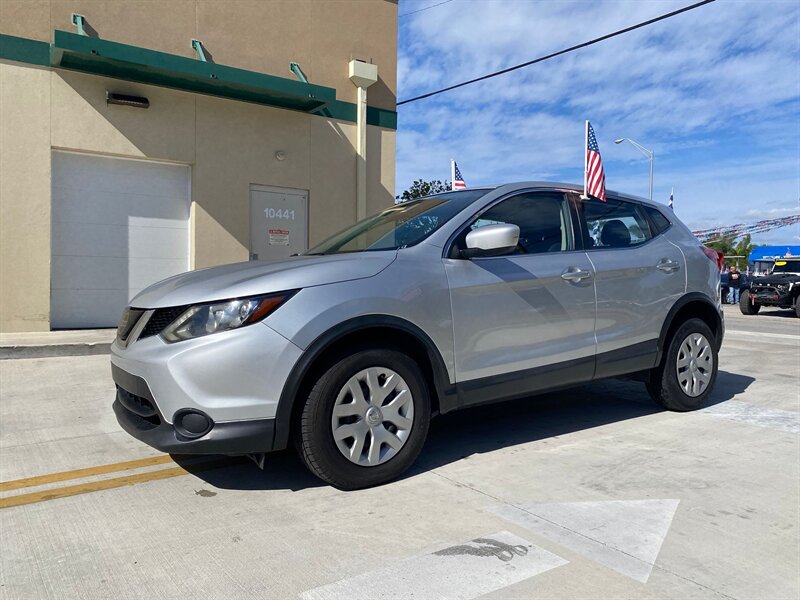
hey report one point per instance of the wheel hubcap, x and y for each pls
(694, 364)
(372, 416)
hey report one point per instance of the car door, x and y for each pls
(524, 321)
(639, 274)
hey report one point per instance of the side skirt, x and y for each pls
(529, 382)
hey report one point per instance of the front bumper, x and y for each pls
(771, 296)
(236, 375)
(138, 415)
(230, 381)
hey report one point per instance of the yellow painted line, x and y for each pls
(16, 484)
(107, 484)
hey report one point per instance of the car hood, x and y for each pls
(261, 277)
(777, 278)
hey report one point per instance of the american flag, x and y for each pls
(458, 180)
(595, 177)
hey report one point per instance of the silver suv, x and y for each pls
(430, 306)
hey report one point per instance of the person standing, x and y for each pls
(734, 282)
(725, 290)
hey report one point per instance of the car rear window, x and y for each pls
(659, 221)
(614, 224)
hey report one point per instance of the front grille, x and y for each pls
(160, 319)
(767, 290)
(128, 321)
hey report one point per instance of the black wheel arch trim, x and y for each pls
(682, 302)
(445, 390)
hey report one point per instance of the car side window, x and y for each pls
(542, 217)
(613, 224)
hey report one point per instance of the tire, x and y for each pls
(746, 306)
(314, 435)
(797, 306)
(664, 385)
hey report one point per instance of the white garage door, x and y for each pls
(117, 226)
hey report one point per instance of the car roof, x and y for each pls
(552, 185)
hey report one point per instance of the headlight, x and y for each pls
(205, 319)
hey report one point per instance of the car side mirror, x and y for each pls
(491, 240)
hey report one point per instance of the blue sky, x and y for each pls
(714, 92)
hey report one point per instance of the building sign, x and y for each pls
(278, 237)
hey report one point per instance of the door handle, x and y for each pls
(668, 266)
(575, 275)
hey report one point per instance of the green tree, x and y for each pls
(421, 188)
(729, 247)
(745, 247)
(723, 244)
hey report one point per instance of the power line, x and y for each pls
(559, 53)
(421, 9)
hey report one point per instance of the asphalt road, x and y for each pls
(587, 493)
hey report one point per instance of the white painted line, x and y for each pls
(759, 334)
(623, 535)
(744, 412)
(462, 572)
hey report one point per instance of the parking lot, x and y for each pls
(587, 493)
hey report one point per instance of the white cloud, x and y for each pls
(774, 213)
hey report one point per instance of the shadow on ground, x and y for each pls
(786, 313)
(458, 435)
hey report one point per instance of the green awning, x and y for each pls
(121, 61)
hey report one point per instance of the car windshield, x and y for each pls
(786, 266)
(400, 226)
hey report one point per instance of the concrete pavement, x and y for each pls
(586, 493)
(43, 344)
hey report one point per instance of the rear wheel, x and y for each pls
(684, 379)
(747, 303)
(365, 420)
(797, 306)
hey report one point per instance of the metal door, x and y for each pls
(636, 287)
(638, 277)
(520, 312)
(118, 226)
(278, 222)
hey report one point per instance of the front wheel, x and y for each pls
(747, 303)
(797, 305)
(684, 379)
(365, 420)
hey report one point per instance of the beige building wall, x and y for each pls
(24, 198)
(228, 144)
(258, 35)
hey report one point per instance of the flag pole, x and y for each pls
(452, 174)
(585, 157)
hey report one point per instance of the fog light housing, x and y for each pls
(192, 424)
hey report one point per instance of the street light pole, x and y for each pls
(648, 153)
